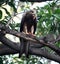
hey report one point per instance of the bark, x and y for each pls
(34, 39)
(43, 53)
(33, 47)
(5, 50)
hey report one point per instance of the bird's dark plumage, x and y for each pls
(28, 25)
(29, 19)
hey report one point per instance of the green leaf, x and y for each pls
(12, 5)
(56, 16)
(17, 25)
(0, 14)
(1, 2)
(8, 13)
(57, 11)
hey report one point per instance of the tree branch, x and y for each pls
(15, 46)
(44, 53)
(33, 47)
(4, 50)
(34, 39)
(9, 43)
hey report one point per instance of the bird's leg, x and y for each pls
(25, 29)
(32, 31)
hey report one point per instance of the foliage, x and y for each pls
(48, 22)
(49, 19)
